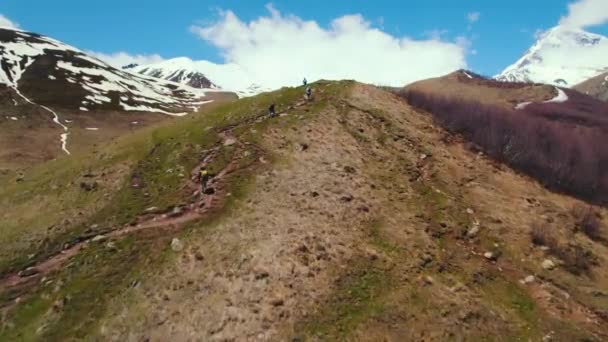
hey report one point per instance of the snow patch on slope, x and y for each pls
(228, 77)
(559, 98)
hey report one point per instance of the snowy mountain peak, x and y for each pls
(53, 73)
(561, 56)
(201, 74)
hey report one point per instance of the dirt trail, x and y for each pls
(198, 207)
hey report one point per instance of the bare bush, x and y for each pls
(563, 156)
(587, 221)
(542, 235)
(576, 260)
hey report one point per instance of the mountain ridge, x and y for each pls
(561, 56)
(229, 77)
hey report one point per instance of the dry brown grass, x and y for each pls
(588, 221)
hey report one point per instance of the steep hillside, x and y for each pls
(555, 139)
(352, 217)
(596, 87)
(466, 85)
(203, 74)
(56, 99)
(561, 56)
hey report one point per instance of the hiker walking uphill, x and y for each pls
(308, 93)
(203, 177)
(305, 82)
(271, 111)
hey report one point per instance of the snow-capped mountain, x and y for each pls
(48, 87)
(561, 56)
(45, 71)
(229, 77)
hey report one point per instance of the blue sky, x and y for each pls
(503, 31)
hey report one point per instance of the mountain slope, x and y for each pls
(466, 85)
(354, 217)
(48, 88)
(229, 77)
(561, 56)
(45, 69)
(596, 87)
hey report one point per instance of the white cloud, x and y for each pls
(120, 59)
(473, 17)
(6, 22)
(584, 13)
(280, 49)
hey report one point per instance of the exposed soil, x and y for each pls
(371, 223)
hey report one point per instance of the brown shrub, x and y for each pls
(587, 221)
(562, 155)
(576, 260)
(542, 235)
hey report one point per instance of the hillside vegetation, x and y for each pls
(351, 217)
(558, 144)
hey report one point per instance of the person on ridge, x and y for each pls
(305, 81)
(271, 111)
(203, 178)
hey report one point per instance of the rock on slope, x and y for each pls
(561, 56)
(229, 77)
(350, 218)
(596, 87)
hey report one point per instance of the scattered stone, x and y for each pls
(426, 259)
(177, 211)
(99, 238)
(151, 210)
(529, 279)
(372, 254)
(347, 198)
(229, 142)
(490, 256)
(261, 274)
(428, 280)
(199, 256)
(88, 186)
(548, 264)
(423, 156)
(28, 272)
(473, 232)
(470, 211)
(111, 245)
(277, 302)
(302, 147)
(363, 209)
(177, 245)
(349, 169)
(314, 194)
(20, 178)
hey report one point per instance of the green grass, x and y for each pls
(358, 298)
(156, 157)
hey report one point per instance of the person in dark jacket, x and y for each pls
(203, 177)
(271, 111)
